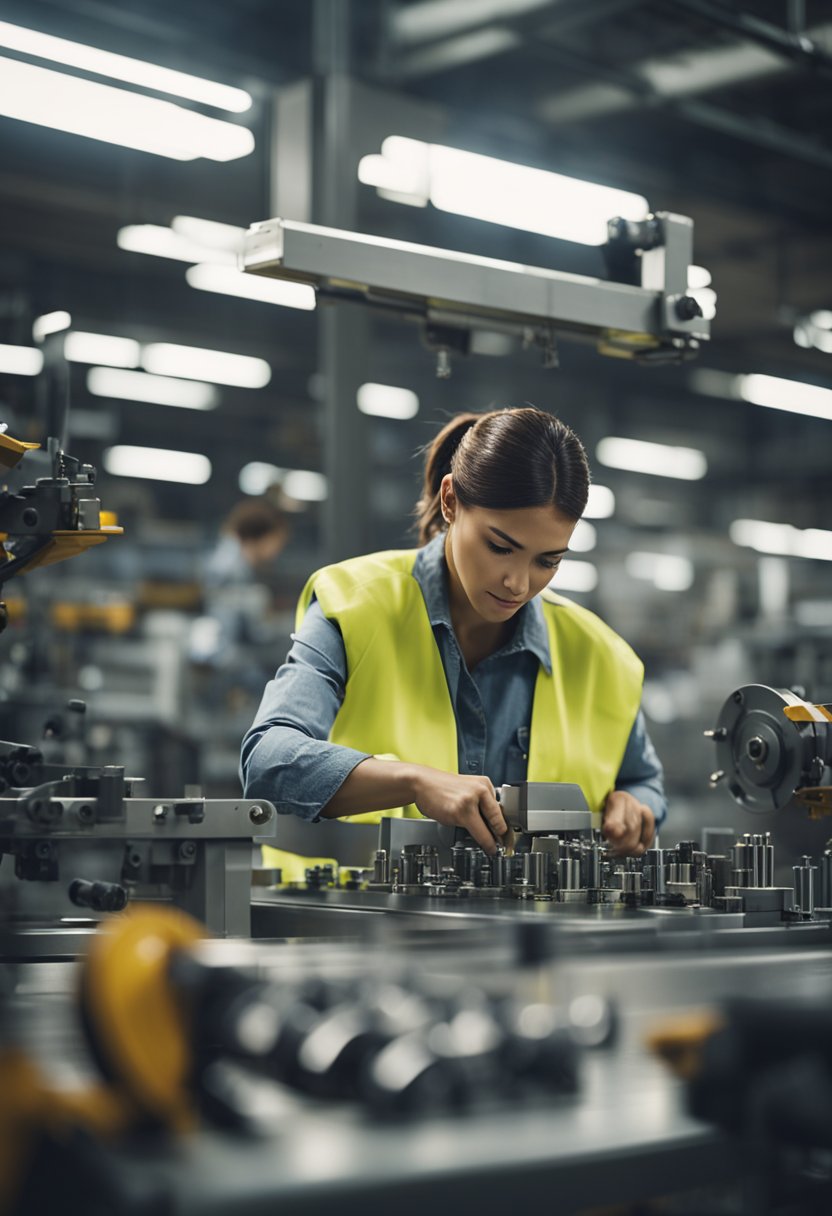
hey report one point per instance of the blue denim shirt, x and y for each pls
(287, 759)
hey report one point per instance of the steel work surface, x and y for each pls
(624, 1137)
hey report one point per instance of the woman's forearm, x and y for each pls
(373, 785)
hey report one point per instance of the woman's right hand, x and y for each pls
(461, 801)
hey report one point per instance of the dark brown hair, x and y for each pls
(254, 518)
(504, 459)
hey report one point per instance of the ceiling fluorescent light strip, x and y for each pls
(116, 116)
(80, 347)
(161, 242)
(655, 459)
(194, 363)
(159, 390)
(230, 282)
(499, 191)
(209, 233)
(575, 576)
(666, 571)
(123, 67)
(792, 396)
(20, 360)
(257, 476)
(50, 323)
(782, 539)
(157, 464)
(600, 504)
(387, 401)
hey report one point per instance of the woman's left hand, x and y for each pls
(628, 825)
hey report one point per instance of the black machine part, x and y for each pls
(762, 756)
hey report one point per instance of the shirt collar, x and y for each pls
(431, 574)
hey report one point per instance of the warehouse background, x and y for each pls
(698, 107)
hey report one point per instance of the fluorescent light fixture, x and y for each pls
(454, 52)
(141, 386)
(305, 486)
(50, 323)
(20, 360)
(698, 276)
(667, 571)
(157, 464)
(82, 347)
(230, 282)
(498, 191)
(387, 401)
(208, 233)
(793, 396)
(162, 242)
(601, 503)
(657, 459)
(116, 116)
(217, 366)
(257, 476)
(121, 67)
(782, 539)
(574, 576)
(584, 538)
(439, 18)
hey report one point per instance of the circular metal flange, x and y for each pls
(764, 755)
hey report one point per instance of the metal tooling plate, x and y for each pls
(225, 819)
(624, 1138)
(576, 928)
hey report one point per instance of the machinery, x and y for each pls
(81, 845)
(562, 870)
(56, 518)
(75, 843)
(774, 747)
(643, 311)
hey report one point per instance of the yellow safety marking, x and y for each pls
(679, 1042)
(817, 799)
(69, 544)
(11, 450)
(808, 713)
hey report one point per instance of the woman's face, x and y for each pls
(502, 559)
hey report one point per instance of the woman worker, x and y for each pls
(418, 680)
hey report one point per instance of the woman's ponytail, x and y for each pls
(438, 459)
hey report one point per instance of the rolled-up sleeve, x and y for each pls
(641, 773)
(286, 757)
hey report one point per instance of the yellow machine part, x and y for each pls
(817, 799)
(70, 544)
(679, 1042)
(808, 713)
(12, 450)
(30, 1107)
(102, 618)
(621, 344)
(133, 1016)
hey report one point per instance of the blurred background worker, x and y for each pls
(237, 583)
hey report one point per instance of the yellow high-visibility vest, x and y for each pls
(397, 704)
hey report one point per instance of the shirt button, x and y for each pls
(472, 764)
